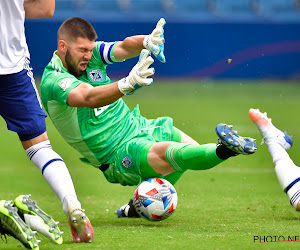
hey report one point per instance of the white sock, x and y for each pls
(277, 152)
(54, 171)
(70, 203)
(287, 172)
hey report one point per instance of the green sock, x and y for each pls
(183, 156)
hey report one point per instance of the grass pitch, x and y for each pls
(221, 208)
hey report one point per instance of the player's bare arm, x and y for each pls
(85, 95)
(128, 48)
(39, 8)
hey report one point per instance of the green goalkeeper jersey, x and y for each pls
(95, 133)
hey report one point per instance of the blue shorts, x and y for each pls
(20, 105)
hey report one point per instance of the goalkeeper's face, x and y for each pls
(78, 55)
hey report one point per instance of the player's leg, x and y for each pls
(128, 209)
(278, 143)
(52, 168)
(179, 136)
(167, 157)
(56, 173)
(170, 160)
(21, 108)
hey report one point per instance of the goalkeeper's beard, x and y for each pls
(71, 67)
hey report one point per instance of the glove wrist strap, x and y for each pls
(146, 42)
(124, 87)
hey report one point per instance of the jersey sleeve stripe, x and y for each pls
(109, 51)
(101, 52)
(106, 52)
(105, 49)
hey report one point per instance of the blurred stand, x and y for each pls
(261, 37)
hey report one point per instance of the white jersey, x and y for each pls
(13, 46)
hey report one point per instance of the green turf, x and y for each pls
(222, 208)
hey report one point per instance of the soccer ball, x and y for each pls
(155, 199)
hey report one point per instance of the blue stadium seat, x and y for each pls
(67, 8)
(278, 9)
(102, 5)
(180, 10)
(108, 10)
(235, 9)
(195, 9)
(65, 5)
(191, 5)
(147, 9)
(146, 5)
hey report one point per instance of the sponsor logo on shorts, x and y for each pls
(65, 83)
(96, 75)
(127, 162)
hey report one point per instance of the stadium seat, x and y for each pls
(191, 5)
(181, 10)
(235, 9)
(146, 5)
(147, 9)
(110, 10)
(278, 9)
(200, 9)
(102, 5)
(68, 8)
(64, 5)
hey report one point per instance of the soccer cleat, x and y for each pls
(127, 210)
(238, 144)
(269, 132)
(81, 228)
(12, 224)
(37, 219)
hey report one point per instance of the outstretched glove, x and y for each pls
(155, 41)
(138, 75)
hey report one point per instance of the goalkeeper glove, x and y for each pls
(138, 75)
(155, 41)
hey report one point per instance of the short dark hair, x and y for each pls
(75, 27)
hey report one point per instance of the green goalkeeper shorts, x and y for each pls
(126, 169)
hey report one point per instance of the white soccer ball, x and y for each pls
(155, 199)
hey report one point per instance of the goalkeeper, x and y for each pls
(88, 110)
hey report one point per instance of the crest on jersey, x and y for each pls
(127, 162)
(96, 75)
(65, 83)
